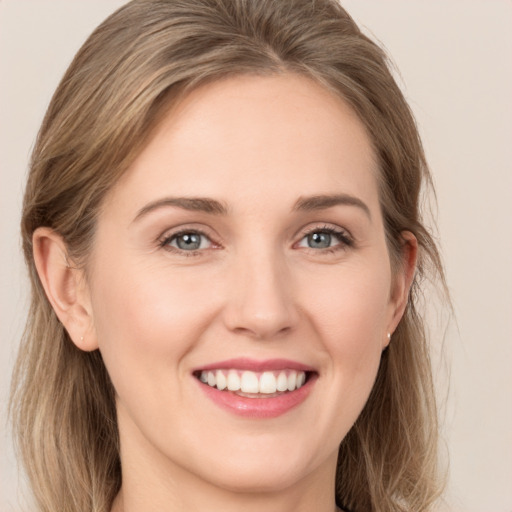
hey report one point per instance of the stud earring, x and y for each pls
(389, 336)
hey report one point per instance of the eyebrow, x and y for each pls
(195, 204)
(212, 206)
(322, 202)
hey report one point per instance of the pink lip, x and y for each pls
(253, 365)
(258, 407)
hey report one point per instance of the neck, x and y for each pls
(127, 501)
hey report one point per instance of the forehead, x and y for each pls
(279, 137)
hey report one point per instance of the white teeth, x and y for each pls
(221, 380)
(266, 383)
(282, 382)
(233, 380)
(292, 381)
(249, 383)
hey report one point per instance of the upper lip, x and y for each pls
(243, 363)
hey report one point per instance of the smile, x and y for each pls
(254, 383)
(264, 389)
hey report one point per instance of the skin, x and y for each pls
(255, 288)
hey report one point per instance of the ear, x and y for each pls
(402, 280)
(65, 287)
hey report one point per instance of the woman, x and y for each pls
(221, 224)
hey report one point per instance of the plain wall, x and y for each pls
(455, 60)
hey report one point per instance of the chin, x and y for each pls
(264, 471)
(262, 478)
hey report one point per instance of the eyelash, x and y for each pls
(165, 242)
(345, 239)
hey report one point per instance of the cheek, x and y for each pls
(146, 321)
(352, 315)
(349, 318)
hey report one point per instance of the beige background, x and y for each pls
(455, 59)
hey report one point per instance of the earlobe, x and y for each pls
(403, 280)
(65, 287)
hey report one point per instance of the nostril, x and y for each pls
(263, 330)
(261, 309)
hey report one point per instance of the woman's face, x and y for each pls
(244, 247)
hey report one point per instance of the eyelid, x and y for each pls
(346, 239)
(169, 234)
(326, 227)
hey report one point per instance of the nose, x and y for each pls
(261, 302)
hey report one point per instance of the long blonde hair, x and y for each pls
(118, 87)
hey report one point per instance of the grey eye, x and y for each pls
(319, 240)
(189, 241)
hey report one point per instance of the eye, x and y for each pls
(187, 241)
(325, 238)
(319, 240)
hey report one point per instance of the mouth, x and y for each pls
(267, 384)
(256, 389)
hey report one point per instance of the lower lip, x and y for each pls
(258, 407)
